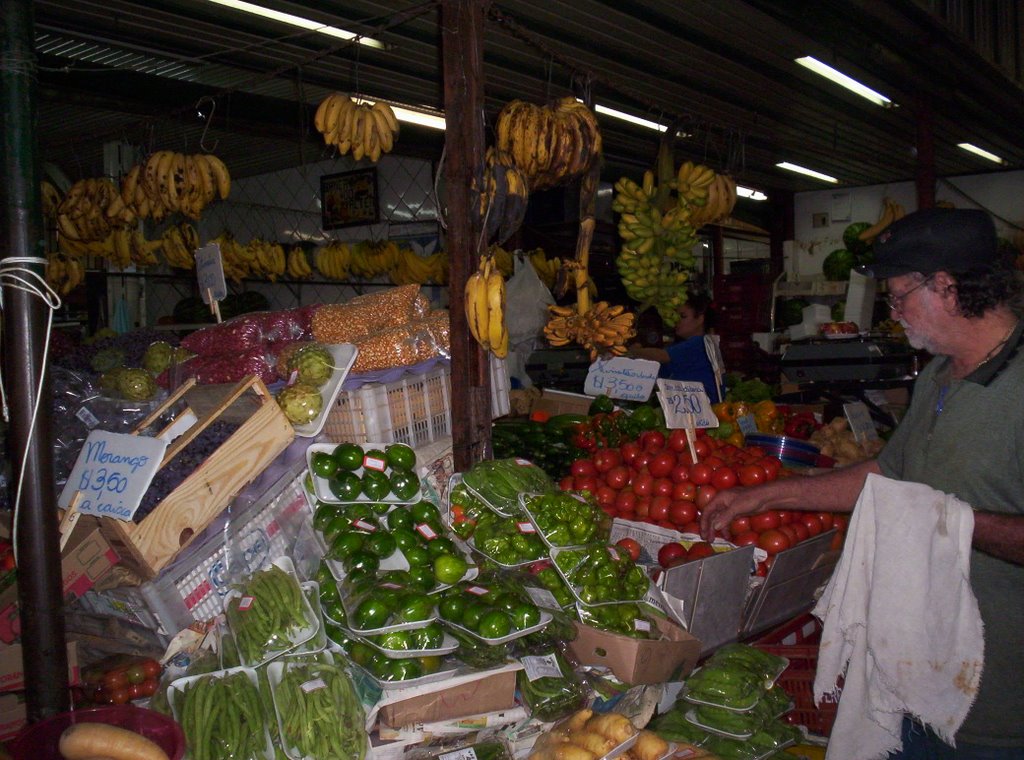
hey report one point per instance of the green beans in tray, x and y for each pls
(221, 715)
(268, 613)
(319, 713)
(500, 481)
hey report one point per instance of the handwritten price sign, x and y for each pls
(621, 378)
(112, 472)
(686, 405)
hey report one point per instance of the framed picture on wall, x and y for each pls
(349, 198)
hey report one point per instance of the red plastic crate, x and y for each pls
(798, 641)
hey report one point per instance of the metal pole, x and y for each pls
(25, 323)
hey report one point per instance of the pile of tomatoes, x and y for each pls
(116, 684)
(654, 479)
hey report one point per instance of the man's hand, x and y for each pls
(730, 504)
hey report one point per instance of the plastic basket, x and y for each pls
(797, 640)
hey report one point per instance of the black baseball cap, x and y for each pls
(934, 239)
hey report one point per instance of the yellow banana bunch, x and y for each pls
(233, 256)
(891, 211)
(550, 144)
(298, 267)
(365, 130)
(503, 196)
(51, 199)
(693, 182)
(602, 329)
(485, 307)
(89, 211)
(503, 260)
(333, 261)
(179, 243)
(720, 201)
(547, 269)
(63, 273)
(168, 182)
(411, 268)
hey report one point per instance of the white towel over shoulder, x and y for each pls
(901, 623)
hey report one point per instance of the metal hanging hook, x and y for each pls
(206, 127)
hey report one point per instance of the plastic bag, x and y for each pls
(527, 301)
(228, 367)
(404, 345)
(367, 314)
(236, 334)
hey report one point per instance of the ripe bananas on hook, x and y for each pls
(485, 307)
(365, 130)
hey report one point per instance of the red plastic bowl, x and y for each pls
(39, 741)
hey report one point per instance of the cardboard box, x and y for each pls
(471, 694)
(12, 672)
(86, 558)
(552, 402)
(13, 715)
(638, 661)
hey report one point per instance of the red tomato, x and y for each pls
(152, 668)
(662, 463)
(714, 462)
(625, 501)
(785, 517)
(119, 696)
(663, 487)
(665, 524)
(677, 440)
(837, 541)
(773, 542)
(135, 690)
(788, 532)
(641, 461)
(643, 484)
(739, 525)
(705, 494)
(699, 550)
(670, 552)
(659, 508)
(566, 483)
(686, 491)
(840, 522)
(812, 522)
(605, 459)
(680, 473)
(629, 451)
(631, 546)
(700, 474)
(752, 474)
(605, 496)
(682, 512)
(652, 440)
(691, 527)
(745, 538)
(724, 477)
(826, 520)
(617, 477)
(765, 521)
(149, 686)
(583, 468)
(771, 465)
(643, 507)
(701, 447)
(584, 483)
(802, 534)
(115, 679)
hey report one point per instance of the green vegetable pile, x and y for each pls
(372, 605)
(550, 698)
(266, 615)
(500, 481)
(490, 613)
(507, 541)
(627, 619)
(320, 712)
(546, 444)
(601, 574)
(567, 519)
(222, 717)
(353, 473)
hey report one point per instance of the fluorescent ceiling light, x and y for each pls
(630, 118)
(299, 21)
(841, 79)
(804, 170)
(754, 195)
(412, 116)
(980, 152)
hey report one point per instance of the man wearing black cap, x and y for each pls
(959, 299)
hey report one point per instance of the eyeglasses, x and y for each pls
(896, 302)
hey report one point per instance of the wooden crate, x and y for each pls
(148, 546)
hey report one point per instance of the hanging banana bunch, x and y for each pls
(485, 307)
(63, 273)
(718, 203)
(503, 197)
(168, 182)
(365, 130)
(891, 211)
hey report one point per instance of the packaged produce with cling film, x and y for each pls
(369, 313)
(405, 345)
(227, 367)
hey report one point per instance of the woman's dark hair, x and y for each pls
(650, 328)
(982, 288)
(700, 301)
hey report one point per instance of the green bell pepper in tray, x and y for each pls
(566, 518)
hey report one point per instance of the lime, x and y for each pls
(381, 544)
(345, 544)
(505, 601)
(375, 485)
(359, 511)
(361, 653)
(399, 517)
(379, 507)
(414, 608)
(404, 485)
(380, 666)
(441, 545)
(345, 486)
(335, 610)
(449, 568)
(404, 669)
(361, 560)
(424, 511)
(430, 663)
(396, 640)
(324, 576)
(474, 613)
(453, 607)
(494, 625)
(406, 538)
(371, 613)
(525, 616)
(338, 524)
(416, 556)
(323, 464)
(374, 459)
(400, 457)
(323, 514)
(430, 637)
(421, 577)
(348, 456)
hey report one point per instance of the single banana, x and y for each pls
(221, 175)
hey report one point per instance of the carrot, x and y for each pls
(83, 741)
